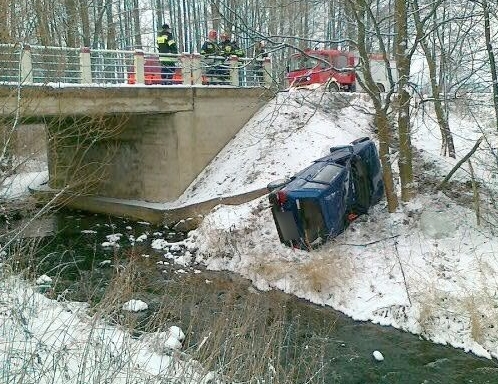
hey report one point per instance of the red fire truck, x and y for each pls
(333, 68)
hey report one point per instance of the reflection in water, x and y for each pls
(308, 340)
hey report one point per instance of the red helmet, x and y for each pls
(212, 34)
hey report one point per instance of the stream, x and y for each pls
(316, 341)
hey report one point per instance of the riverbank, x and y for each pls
(228, 324)
(427, 269)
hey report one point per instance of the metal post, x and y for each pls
(85, 66)
(234, 71)
(139, 63)
(26, 65)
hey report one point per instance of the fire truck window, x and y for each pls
(322, 61)
(301, 62)
(341, 62)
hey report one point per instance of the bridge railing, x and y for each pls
(42, 65)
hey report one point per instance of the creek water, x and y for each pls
(72, 252)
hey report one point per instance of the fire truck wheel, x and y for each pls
(333, 87)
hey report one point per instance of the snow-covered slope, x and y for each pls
(428, 268)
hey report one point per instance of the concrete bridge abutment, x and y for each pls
(132, 156)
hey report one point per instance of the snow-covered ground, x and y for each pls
(427, 269)
(46, 341)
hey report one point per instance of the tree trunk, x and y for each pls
(403, 66)
(85, 23)
(383, 129)
(381, 119)
(137, 41)
(4, 22)
(447, 144)
(215, 14)
(72, 38)
(111, 26)
(42, 26)
(491, 57)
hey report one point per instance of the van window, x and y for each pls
(327, 173)
(312, 185)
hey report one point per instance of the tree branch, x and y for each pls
(459, 164)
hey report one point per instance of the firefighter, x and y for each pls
(229, 48)
(210, 46)
(167, 46)
(212, 58)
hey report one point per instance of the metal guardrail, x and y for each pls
(25, 64)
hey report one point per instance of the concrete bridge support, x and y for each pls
(151, 157)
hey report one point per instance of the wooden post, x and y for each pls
(85, 66)
(26, 65)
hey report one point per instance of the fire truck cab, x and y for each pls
(328, 66)
(333, 68)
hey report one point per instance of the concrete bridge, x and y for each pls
(131, 150)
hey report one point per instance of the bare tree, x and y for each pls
(403, 66)
(447, 145)
(361, 11)
(491, 55)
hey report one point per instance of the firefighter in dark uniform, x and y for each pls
(229, 48)
(212, 58)
(167, 46)
(210, 46)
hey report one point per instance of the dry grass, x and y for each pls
(230, 328)
(324, 271)
(319, 273)
(475, 319)
(428, 302)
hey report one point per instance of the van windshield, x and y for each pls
(327, 173)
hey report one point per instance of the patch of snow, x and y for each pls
(135, 306)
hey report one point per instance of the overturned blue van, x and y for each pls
(320, 201)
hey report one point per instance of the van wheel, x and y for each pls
(333, 87)
(381, 87)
